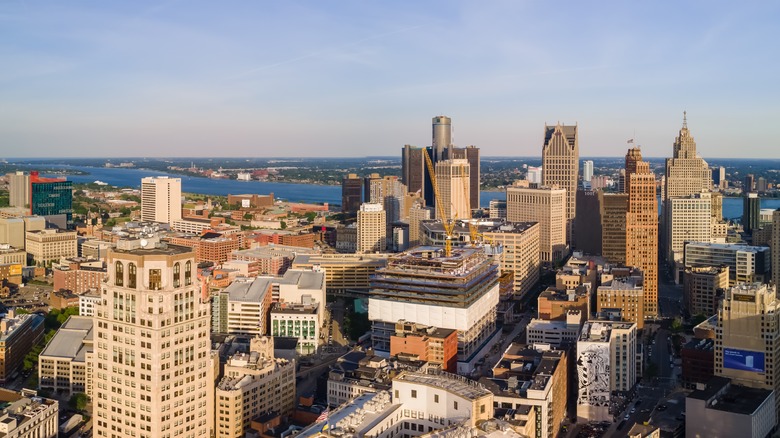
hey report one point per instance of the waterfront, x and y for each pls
(312, 193)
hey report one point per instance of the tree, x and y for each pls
(283, 224)
(698, 319)
(78, 401)
(676, 325)
(311, 216)
(248, 216)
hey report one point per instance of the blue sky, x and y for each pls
(357, 78)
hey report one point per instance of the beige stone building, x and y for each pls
(625, 294)
(642, 226)
(775, 246)
(344, 273)
(160, 199)
(26, 415)
(62, 365)
(613, 207)
(702, 287)
(686, 172)
(371, 228)
(417, 214)
(152, 367)
(560, 166)
(453, 179)
(50, 245)
(521, 254)
(747, 340)
(690, 220)
(545, 205)
(253, 384)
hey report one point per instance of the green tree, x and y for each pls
(283, 224)
(78, 401)
(676, 325)
(356, 324)
(311, 216)
(698, 319)
(248, 216)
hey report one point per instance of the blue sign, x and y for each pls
(743, 360)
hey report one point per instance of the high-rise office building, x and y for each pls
(613, 208)
(372, 188)
(761, 184)
(18, 189)
(626, 294)
(747, 337)
(544, 205)
(719, 177)
(417, 214)
(587, 170)
(775, 247)
(690, 218)
(686, 172)
(371, 228)
(152, 370)
(561, 165)
(747, 264)
(351, 193)
(160, 199)
(642, 226)
(748, 183)
(442, 137)
(587, 222)
(470, 154)
(452, 177)
(413, 168)
(702, 289)
(751, 210)
(52, 198)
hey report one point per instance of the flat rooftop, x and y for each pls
(305, 279)
(249, 290)
(69, 342)
(735, 399)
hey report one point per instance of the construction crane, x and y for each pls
(449, 224)
(473, 232)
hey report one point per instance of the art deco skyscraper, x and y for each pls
(686, 173)
(560, 166)
(151, 367)
(642, 226)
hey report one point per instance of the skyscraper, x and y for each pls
(351, 193)
(442, 137)
(544, 205)
(413, 169)
(453, 179)
(751, 209)
(749, 183)
(161, 199)
(686, 172)
(642, 226)
(775, 247)
(371, 228)
(18, 189)
(691, 221)
(719, 177)
(151, 366)
(613, 208)
(561, 164)
(587, 170)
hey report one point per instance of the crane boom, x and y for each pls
(449, 225)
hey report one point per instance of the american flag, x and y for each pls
(323, 416)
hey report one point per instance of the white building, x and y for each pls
(606, 362)
(62, 365)
(160, 199)
(88, 301)
(453, 180)
(25, 415)
(690, 220)
(554, 333)
(534, 175)
(587, 170)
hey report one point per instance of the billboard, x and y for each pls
(743, 360)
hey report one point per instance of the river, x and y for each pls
(123, 177)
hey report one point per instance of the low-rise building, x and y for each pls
(723, 409)
(26, 415)
(62, 365)
(703, 287)
(345, 274)
(554, 304)
(698, 361)
(436, 346)
(88, 301)
(50, 245)
(555, 333)
(298, 320)
(79, 275)
(625, 293)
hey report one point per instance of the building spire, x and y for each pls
(685, 119)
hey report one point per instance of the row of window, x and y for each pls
(155, 275)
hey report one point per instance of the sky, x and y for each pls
(364, 77)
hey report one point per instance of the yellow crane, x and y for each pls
(449, 224)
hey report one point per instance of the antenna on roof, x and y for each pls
(685, 119)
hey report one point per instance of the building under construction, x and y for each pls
(424, 286)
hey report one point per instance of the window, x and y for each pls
(436, 398)
(414, 393)
(176, 274)
(155, 279)
(455, 405)
(119, 274)
(131, 275)
(188, 273)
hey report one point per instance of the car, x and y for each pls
(633, 410)
(626, 417)
(661, 408)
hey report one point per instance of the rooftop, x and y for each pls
(728, 246)
(305, 279)
(449, 382)
(250, 290)
(69, 342)
(722, 395)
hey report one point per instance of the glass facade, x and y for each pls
(52, 198)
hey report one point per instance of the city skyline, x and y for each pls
(355, 79)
